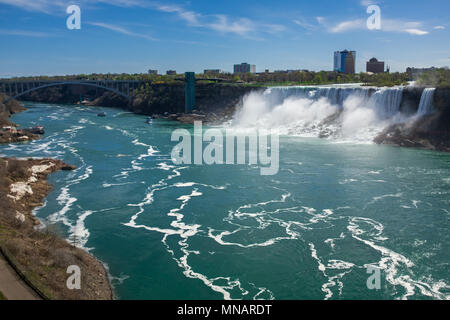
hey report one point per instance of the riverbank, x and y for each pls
(9, 133)
(38, 253)
(42, 255)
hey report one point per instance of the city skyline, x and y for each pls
(132, 36)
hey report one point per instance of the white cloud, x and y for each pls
(121, 30)
(411, 27)
(49, 6)
(387, 25)
(320, 20)
(27, 33)
(221, 23)
(416, 32)
(189, 16)
(366, 3)
(304, 24)
(439, 28)
(347, 26)
(44, 6)
(218, 22)
(241, 26)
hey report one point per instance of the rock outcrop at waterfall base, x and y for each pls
(427, 132)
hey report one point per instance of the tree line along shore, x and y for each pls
(38, 253)
(437, 77)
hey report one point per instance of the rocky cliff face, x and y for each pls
(8, 109)
(410, 100)
(155, 99)
(171, 99)
(428, 132)
(63, 94)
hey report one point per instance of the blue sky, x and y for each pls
(135, 35)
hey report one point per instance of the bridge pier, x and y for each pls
(189, 92)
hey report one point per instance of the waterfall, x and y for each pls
(385, 100)
(426, 102)
(347, 112)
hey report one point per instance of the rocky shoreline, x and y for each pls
(40, 253)
(13, 134)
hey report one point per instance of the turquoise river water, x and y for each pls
(312, 231)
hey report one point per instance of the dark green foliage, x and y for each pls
(261, 79)
(435, 78)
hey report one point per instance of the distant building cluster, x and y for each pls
(212, 71)
(244, 68)
(344, 61)
(291, 71)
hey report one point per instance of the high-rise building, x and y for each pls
(155, 72)
(375, 66)
(344, 61)
(171, 73)
(244, 68)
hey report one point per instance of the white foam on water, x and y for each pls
(191, 184)
(164, 166)
(332, 280)
(185, 231)
(331, 241)
(391, 262)
(74, 129)
(151, 151)
(66, 200)
(346, 181)
(396, 195)
(109, 185)
(79, 233)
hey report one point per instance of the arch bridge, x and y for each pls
(16, 89)
(125, 88)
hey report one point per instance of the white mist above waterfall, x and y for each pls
(342, 113)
